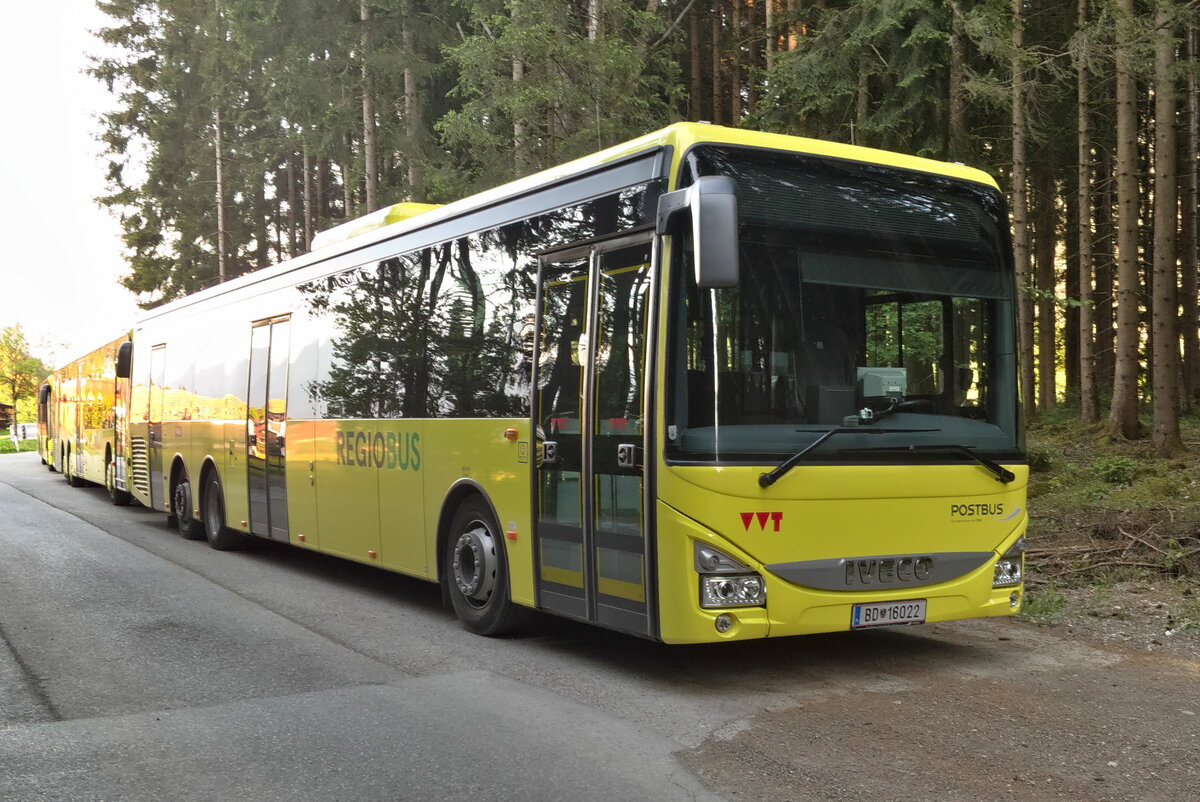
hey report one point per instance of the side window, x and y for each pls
(487, 340)
(446, 331)
(379, 330)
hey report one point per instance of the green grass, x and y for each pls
(1186, 617)
(6, 445)
(1104, 511)
(1043, 605)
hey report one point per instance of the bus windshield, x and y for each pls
(865, 291)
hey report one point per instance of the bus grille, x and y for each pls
(139, 468)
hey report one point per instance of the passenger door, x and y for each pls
(266, 422)
(592, 533)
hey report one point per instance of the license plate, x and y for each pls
(886, 614)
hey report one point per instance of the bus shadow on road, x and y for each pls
(767, 664)
(775, 664)
(347, 574)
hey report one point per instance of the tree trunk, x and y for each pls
(593, 20)
(1020, 216)
(696, 96)
(321, 215)
(1165, 303)
(754, 54)
(262, 245)
(1123, 411)
(791, 25)
(292, 218)
(958, 94)
(370, 145)
(735, 63)
(309, 204)
(1070, 312)
(347, 178)
(520, 124)
(862, 102)
(1046, 229)
(717, 105)
(1188, 200)
(1103, 254)
(277, 209)
(1088, 399)
(219, 152)
(412, 119)
(772, 34)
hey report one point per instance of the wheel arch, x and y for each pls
(208, 467)
(178, 466)
(459, 492)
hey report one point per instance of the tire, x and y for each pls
(476, 572)
(181, 510)
(218, 535)
(119, 498)
(72, 479)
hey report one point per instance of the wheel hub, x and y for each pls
(475, 564)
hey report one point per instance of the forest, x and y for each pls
(243, 127)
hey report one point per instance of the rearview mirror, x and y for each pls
(124, 360)
(712, 201)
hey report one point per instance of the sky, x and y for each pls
(62, 253)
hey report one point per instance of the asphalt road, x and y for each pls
(137, 665)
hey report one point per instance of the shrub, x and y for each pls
(1117, 470)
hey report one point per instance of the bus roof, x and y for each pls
(391, 221)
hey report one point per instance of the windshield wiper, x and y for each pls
(1003, 475)
(770, 478)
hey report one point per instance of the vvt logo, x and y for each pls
(775, 518)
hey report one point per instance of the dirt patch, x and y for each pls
(1161, 615)
(1075, 720)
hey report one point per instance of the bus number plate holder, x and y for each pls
(887, 614)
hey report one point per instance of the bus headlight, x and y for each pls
(725, 582)
(1008, 569)
(744, 590)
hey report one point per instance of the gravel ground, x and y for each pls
(1102, 705)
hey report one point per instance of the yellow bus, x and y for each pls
(46, 422)
(707, 385)
(84, 405)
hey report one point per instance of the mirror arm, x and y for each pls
(670, 205)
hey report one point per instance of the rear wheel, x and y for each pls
(68, 474)
(219, 536)
(181, 510)
(476, 572)
(119, 498)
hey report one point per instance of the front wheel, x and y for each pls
(181, 510)
(218, 535)
(476, 573)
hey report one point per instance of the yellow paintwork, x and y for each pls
(377, 219)
(477, 451)
(830, 512)
(84, 403)
(384, 497)
(380, 501)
